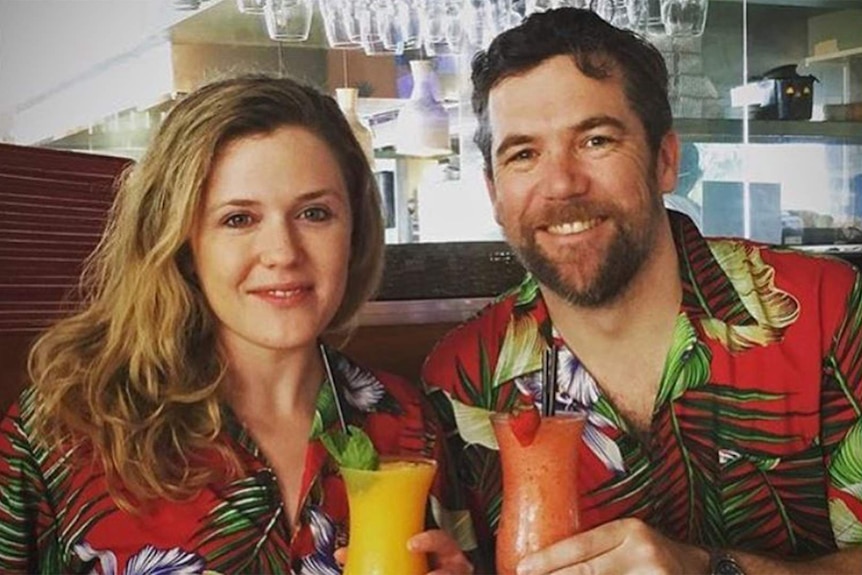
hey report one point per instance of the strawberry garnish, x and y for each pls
(525, 423)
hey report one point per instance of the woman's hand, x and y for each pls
(444, 554)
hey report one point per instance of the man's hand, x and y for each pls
(444, 554)
(624, 546)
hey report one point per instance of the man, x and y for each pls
(722, 379)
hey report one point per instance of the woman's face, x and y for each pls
(271, 243)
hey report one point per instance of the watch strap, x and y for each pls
(721, 562)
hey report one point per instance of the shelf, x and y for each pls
(835, 57)
(389, 153)
(820, 4)
(769, 131)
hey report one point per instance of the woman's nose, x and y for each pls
(279, 245)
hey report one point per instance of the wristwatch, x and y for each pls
(722, 563)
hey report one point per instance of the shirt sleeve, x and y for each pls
(841, 415)
(25, 515)
(469, 465)
(448, 504)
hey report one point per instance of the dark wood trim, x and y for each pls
(53, 208)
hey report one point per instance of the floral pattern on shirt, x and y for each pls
(56, 515)
(756, 436)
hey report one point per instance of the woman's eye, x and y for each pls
(316, 214)
(238, 220)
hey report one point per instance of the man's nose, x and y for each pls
(564, 175)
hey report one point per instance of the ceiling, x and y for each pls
(49, 66)
(219, 21)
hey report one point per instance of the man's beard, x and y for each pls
(624, 257)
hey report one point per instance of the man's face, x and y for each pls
(574, 184)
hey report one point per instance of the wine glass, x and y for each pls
(288, 20)
(684, 17)
(250, 6)
(341, 22)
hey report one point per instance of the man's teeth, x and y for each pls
(573, 227)
(283, 293)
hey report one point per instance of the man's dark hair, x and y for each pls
(597, 48)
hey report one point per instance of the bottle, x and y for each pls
(422, 126)
(346, 98)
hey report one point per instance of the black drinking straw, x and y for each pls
(549, 380)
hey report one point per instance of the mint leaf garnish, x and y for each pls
(352, 448)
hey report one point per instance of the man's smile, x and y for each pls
(574, 227)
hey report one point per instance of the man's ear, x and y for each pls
(667, 162)
(492, 193)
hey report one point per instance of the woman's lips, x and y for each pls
(283, 295)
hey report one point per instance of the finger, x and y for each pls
(456, 571)
(340, 556)
(452, 572)
(573, 550)
(433, 541)
(611, 563)
(463, 568)
(644, 551)
(617, 560)
(444, 552)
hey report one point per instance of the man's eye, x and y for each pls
(238, 220)
(598, 141)
(316, 214)
(521, 155)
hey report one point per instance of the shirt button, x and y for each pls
(687, 353)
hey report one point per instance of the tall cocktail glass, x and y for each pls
(387, 507)
(540, 487)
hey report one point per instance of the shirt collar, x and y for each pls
(707, 291)
(326, 407)
(701, 276)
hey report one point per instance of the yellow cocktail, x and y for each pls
(387, 507)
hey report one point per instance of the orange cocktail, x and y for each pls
(387, 507)
(540, 487)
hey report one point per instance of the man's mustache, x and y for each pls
(571, 212)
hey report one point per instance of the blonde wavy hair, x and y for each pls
(135, 373)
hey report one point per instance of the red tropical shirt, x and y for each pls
(56, 515)
(755, 440)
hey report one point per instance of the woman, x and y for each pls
(171, 422)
